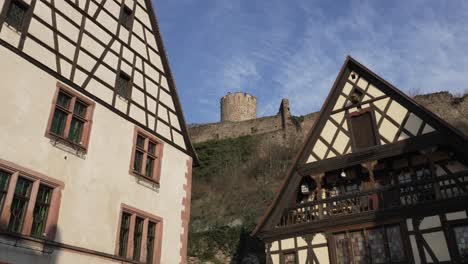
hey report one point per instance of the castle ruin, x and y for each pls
(238, 106)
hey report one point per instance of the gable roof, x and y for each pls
(86, 46)
(170, 78)
(414, 125)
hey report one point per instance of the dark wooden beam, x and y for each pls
(373, 153)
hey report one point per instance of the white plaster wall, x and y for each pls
(95, 186)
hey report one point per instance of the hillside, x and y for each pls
(238, 177)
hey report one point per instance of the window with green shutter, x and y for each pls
(139, 233)
(150, 242)
(137, 237)
(4, 181)
(123, 237)
(41, 210)
(70, 121)
(146, 157)
(19, 204)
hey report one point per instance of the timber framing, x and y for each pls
(57, 71)
(444, 135)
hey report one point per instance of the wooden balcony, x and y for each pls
(386, 198)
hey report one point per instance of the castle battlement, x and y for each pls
(238, 106)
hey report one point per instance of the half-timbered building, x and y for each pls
(95, 159)
(379, 179)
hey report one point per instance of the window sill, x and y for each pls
(28, 242)
(67, 145)
(140, 176)
(123, 98)
(12, 28)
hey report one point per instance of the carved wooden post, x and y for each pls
(370, 165)
(318, 180)
(429, 156)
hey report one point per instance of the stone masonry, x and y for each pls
(451, 108)
(237, 107)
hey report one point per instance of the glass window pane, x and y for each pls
(152, 148)
(358, 247)
(137, 236)
(140, 142)
(290, 258)
(123, 85)
(76, 130)
(19, 205)
(395, 244)
(41, 210)
(4, 180)
(15, 15)
(58, 122)
(137, 163)
(149, 167)
(150, 242)
(63, 100)
(376, 245)
(126, 18)
(80, 109)
(461, 236)
(123, 236)
(342, 249)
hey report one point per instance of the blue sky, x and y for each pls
(293, 49)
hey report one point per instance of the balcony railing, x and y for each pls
(383, 198)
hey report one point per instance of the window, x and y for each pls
(124, 230)
(41, 209)
(363, 130)
(28, 201)
(376, 245)
(146, 157)
(123, 85)
(126, 18)
(71, 118)
(19, 204)
(16, 14)
(145, 231)
(4, 179)
(461, 237)
(289, 258)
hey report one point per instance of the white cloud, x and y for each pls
(294, 49)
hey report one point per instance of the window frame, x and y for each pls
(350, 115)
(289, 252)
(147, 217)
(26, 19)
(128, 25)
(157, 156)
(37, 179)
(364, 228)
(129, 87)
(87, 120)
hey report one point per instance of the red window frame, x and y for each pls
(157, 156)
(15, 171)
(87, 119)
(147, 218)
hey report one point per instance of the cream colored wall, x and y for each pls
(95, 186)
(436, 240)
(299, 244)
(387, 130)
(105, 26)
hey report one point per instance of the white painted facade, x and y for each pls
(96, 184)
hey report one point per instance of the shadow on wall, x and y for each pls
(15, 250)
(250, 250)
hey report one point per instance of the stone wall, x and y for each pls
(451, 108)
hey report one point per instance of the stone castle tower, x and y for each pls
(238, 106)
